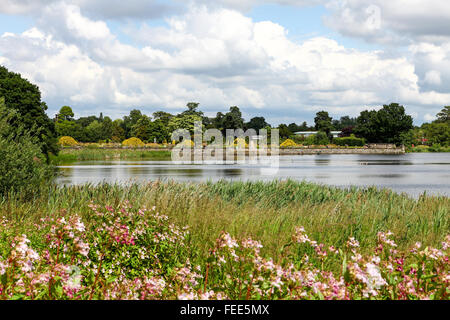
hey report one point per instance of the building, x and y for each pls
(306, 134)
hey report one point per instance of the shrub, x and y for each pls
(133, 142)
(187, 143)
(23, 166)
(351, 141)
(288, 144)
(67, 142)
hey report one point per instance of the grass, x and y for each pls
(265, 211)
(73, 155)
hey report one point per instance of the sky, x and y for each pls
(282, 59)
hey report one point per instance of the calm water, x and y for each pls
(411, 173)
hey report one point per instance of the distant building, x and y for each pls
(306, 134)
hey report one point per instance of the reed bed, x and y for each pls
(269, 212)
(86, 154)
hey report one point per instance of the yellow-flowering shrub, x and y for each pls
(288, 144)
(239, 142)
(187, 143)
(133, 142)
(67, 142)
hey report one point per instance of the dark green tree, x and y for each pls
(444, 115)
(257, 124)
(323, 122)
(130, 121)
(65, 113)
(387, 125)
(233, 119)
(25, 98)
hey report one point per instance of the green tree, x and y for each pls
(257, 123)
(444, 115)
(323, 122)
(143, 128)
(388, 125)
(130, 121)
(438, 133)
(192, 110)
(65, 113)
(94, 131)
(284, 131)
(183, 122)
(107, 129)
(233, 119)
(118, 133)
(25, 98)
(23, 167)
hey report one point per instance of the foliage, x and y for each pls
(288, 144)
(133, 142)
(126, 253)
(23, 167)
(67, 141)
(257, 123)
(438, 133)
(24, 97)
(444, 115)
(387, 125)
(323, 122)
(351, 141)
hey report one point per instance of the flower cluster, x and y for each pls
(127, 253)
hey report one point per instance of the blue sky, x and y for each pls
(283, 59)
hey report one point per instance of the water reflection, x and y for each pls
(412, 173)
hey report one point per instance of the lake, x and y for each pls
(411, 173)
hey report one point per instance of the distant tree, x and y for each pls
(163, 116)
(130, 121)
(438, 133)
(233, 119)
(217, 122)
(94, 131)
(192, 110)
(183, 122)
(107, 129)
(118, 133)
(444, 115)
(284, 131)
(323, 122)
(65, 114)
(25, 98)
(257, 123)
(143, 128)
(387, 125)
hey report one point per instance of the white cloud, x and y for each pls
(393, 22)
(218, 57)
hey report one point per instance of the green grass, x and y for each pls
(265, 211)
(72, 155)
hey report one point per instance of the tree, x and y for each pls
(444, 115)
(257, 123)
(438, 133)
(25, 98)
(183, 122)
(107, 129)
(233, 119)
(284, 131)
(94, 131)
(388, 125)
(65, 113)
(130, 121)
(118, 133)
(192, 110)
(323, 122)
(23, 167)
(142, 129)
